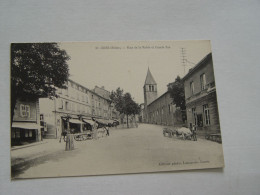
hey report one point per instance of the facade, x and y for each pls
(141, 115)
(162, 111)
(200, 97)
(26, 122)
(76, 103)
(159, 110)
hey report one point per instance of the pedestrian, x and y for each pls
(194, 132)
(107, 129)
(95, 126)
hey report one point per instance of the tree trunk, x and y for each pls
(127, 121)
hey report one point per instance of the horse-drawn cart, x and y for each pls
(183, 132)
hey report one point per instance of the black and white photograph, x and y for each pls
(121, 107)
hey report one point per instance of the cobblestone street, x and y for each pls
(142, 149)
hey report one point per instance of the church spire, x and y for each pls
(149, 78)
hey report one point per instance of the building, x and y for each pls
(75, 106)
(200, 97)
(26, 122)
(102, 92)
(159, 110)
(141, 115)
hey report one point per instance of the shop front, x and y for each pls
(25, 132)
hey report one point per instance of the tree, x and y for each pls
(36, 70)
(177, 94)
(117, 99)
(124, 103)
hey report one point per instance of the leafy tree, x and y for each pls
(117, 99)
(124, 103)
(177, 94)
(36, 70)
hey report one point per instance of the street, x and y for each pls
(133, 150)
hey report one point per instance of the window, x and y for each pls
(73, 107)
(67, 105)
(61, 104)
(203, 81)
(162, 111)
(206, 114)
(17, 133)
(24, 110)
(82, 98)
(191, 88)
(27, 133)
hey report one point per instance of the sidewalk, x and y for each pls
(26, 153)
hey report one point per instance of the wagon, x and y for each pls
(83, 136)
(183, 132)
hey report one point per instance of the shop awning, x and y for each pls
(76, 121)
(101, 121)
(89, 121)
(26, 125)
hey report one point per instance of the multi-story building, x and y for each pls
(77, 105)
(26, 122)
(159, 110)
(102, 92)
(200, 97)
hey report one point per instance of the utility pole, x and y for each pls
(183, 60)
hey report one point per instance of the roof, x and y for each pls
(149, 78)
(159, 97)
(202, 62)
(91, 91)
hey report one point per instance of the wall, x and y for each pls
(17, 112)
(206, 68)
(163, 112)
(149, 96)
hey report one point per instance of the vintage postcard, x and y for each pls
(98, 108)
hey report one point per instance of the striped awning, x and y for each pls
(75, 121)
(89, 121)
(101, 121)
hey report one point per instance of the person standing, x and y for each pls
(107, 129)
(194, 132)
(95, 126)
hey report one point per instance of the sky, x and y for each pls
(124, 64)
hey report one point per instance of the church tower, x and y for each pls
(150, 89)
